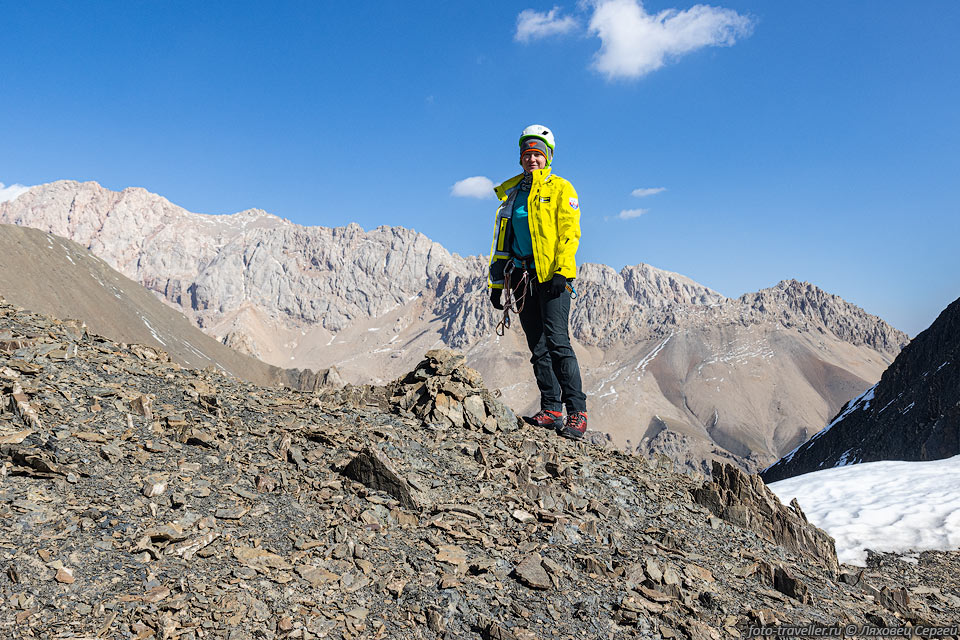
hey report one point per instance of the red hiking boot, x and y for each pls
(546, 419)
(574, 426)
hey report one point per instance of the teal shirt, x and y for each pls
(521, 245)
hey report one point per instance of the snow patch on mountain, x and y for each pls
(860, 402)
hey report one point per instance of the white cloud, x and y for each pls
(532, 25)
(11, 192)
(634, 42)
(644, 192)
(630, 214)
(475, 187)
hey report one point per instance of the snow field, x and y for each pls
(892, 506)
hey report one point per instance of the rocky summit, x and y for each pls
(913, 413)
(140, 499)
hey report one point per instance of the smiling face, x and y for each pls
(533, 160)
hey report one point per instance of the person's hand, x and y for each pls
(556, 286)
(495, 298)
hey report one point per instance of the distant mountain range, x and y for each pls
(913, 413)
(670, 366)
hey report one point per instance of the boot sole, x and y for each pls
(553, 425)
(572, 434)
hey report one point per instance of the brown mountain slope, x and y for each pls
(55, 276)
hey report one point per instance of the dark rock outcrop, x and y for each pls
(372, 469)
(312, 381)
(746, 501)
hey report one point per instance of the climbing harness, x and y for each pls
(513, 302)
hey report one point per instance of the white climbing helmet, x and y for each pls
(541, 132)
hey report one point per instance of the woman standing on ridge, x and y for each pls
(534, 256)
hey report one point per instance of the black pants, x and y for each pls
(545, 323)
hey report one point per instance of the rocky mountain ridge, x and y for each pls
(680, 369)
(210, 264)
(912, 413)
(791, 300)
(141, 499)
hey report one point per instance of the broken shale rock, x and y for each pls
(530, 572)
(372, 468)
(443, 390)
(229, 513)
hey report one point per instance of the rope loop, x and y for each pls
(513, 301)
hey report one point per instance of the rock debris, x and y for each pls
(139, 499)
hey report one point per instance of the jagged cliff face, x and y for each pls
(795, 303)
(913, 413)
(669, 365)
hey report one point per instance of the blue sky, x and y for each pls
(810, 140)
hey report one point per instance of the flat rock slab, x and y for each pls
(531, 573)
(372, 469)
(259, 558)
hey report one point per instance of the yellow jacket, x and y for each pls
(554, 219)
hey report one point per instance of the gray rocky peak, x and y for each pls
(794, 302)
(210, 265)
(652, 287)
